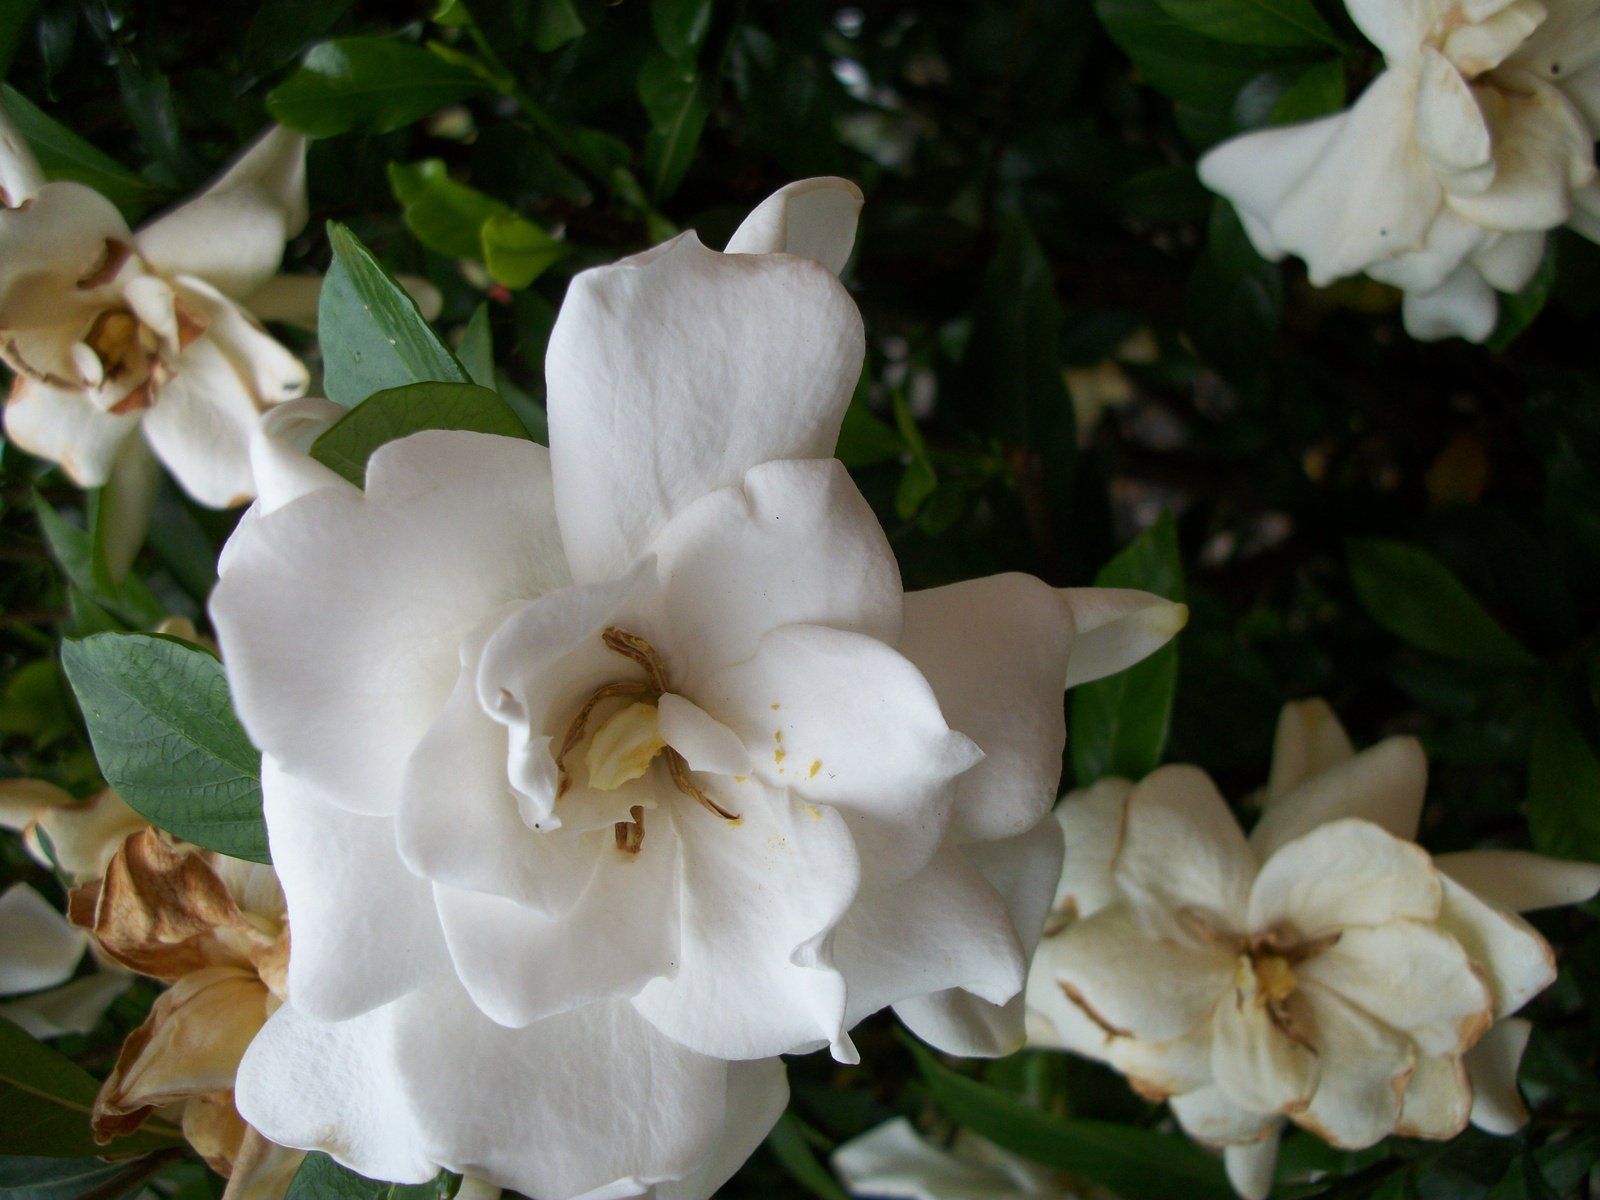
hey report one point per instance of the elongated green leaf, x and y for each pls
(517, 251)
(62, 154)
(1254, 22)
(373, 336)
(788, 1144)
(681, 25)
(368, 84)
(128, 600)
(320, 1178)
(555, 23)
(443, 215)
(1563, 786)
(397, 412)
(1120, 723)
(166, 738)
(54, 1178)
(46, 1101)
(1415, 597)
(678, 99)
(1130, 1161)
(476, 351)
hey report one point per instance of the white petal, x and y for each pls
(1183, 856)
(1115, 628)
(958, 1021)
(995, 653)
(365, 929)
(1463, 306)
(232, 234)
(1450, 241)
(944, 928)
(1134, 985)
(1091, 825)
(280, 456)
(39, 948)
(83, 836)
(1451, 129)
(273, 373)
(1208, 1115)
(520, 965)
(1363, 1067)
(1521, 882)
(65, 236)
(758, 1092)
(592, 1101)
(1159, 1070)
(794, 543)
(1255, 1062)
(20, 176)
(1397, 27)
(892, 1161)
(75, 1007)
(200, 427)
(1481, 45)
(1309, 741)
(841, 720)
(1492, 1067)
(382, 588)
(1582, 88)
(1438, 1099)
(336, 1087)
(760, 898)
(706, 745)
(1251, 1167)
(672, 376)
(1258, 171)
(66, 427)
(814, 218)
(1515, 959)
(1543, 149)
(1347, 872)
(1384, 785)
(1411, 976)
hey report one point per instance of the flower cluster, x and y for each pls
(1447, 174)
(1324, 971)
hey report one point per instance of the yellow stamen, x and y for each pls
(623, 748)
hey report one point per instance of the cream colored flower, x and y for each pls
(110, 331)
(213, 928)
(1325, 971)
(1447, 174)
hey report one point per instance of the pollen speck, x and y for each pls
(816, 765)
(777, 735)
(775, 707)
(813, 812)
(740, 778)
(778, 756)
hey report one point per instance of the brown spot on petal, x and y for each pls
(191, 324)
(13, 355)
(1077, 997)
(141, 398)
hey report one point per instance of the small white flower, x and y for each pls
(599, 776)
(39, 952)
(111, 331)
(1324, 971)
(1447, 174)
(895, 1163)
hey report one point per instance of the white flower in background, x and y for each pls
(1325, 971)
(894, 1162)
(1446, 175)
(111, 331)
(599, 776)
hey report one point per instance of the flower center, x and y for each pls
(1274, 979)
(629, 740)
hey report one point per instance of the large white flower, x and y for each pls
(1324, 971)
(1447, 174)
(111, 331)
(598, 777)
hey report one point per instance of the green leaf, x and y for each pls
(681, 25)
(789, 1146)
(678, 99)
(1563, 786)
(47, 1102)
(368, 84)
(517, 251)
(555, 23)
(1320, 90)
(1518, 310)
(865, 441)
(1130, 1161)
(400, 411)
(476, 351)
(373, 336)
(1234, 301)
(320, 1178)
(128, 600)
(442, 214)
(166, 738)
(1414, 596)
(62, 154)
(54, 1178)
(1254, 22)
(1120, 723)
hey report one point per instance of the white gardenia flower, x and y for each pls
(1325, 971)
(894, 1162)
(111, 331)
(597, 777)
(1446, 175)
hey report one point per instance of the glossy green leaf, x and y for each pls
(865, 441)
(373, 336)
(46, 1101)
(1120, 723)
(166, 738)
(1234, 301)
(1318, 91)
(1414, 596)
(476, 351)
(128, 599)
(55, 1178)
(397, 412)
(517, 251)
(1254, 22)
(789, 1146)
(681, 25)
(1563, 786)
(554, 24)
(320, 1178)
(62, 154)
(1128, 1160)
(678, 99)
(368, 84)
(442, 214)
